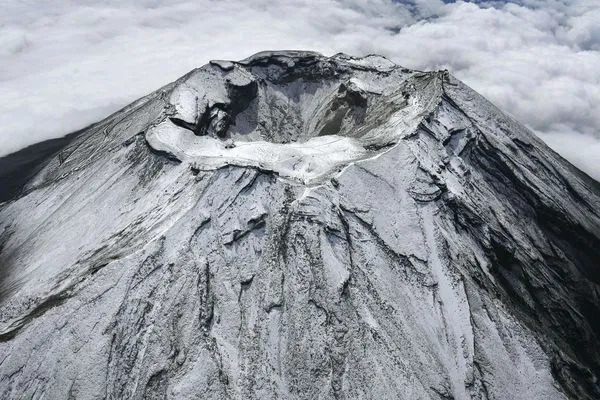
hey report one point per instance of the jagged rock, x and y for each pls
(374, 233)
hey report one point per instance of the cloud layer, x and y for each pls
(65, 64)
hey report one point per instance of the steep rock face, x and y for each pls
(297, 226)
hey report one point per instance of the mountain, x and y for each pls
(294, 226)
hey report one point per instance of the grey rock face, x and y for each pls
(293, 226)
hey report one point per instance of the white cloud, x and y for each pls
(582, 150)
(65, 64)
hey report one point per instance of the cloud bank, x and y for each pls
(65, 64)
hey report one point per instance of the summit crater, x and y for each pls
(300, 114)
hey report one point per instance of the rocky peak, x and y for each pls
(299, 226)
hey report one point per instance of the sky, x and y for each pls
(67, 63)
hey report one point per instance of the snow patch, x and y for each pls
(306, 161)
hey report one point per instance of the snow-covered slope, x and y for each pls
(293, 226)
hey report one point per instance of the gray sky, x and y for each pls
(67, 63)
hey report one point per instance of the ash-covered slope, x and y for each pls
(293, 226)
